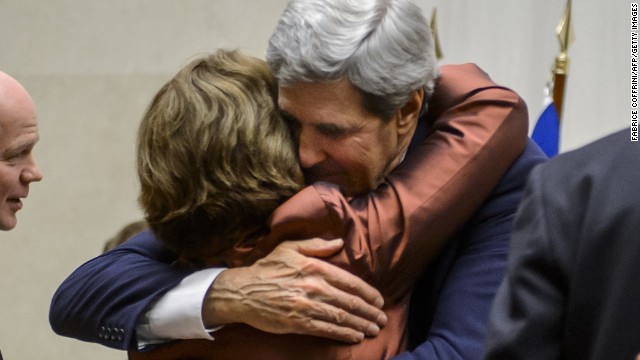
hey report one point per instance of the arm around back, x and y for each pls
(102, 300)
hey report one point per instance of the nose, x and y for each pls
(309, 150)
(31, 173)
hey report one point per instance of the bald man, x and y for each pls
(18, 136)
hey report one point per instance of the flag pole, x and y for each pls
(546, 132)
(434, 31)
(560, 68)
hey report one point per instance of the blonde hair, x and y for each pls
(214, 156)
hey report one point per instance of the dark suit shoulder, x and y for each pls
(597, 177)
(590, 193)
(614, 153)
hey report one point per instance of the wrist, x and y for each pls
(221, 300)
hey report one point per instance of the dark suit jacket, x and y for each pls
(572, 289)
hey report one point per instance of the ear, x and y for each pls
(407, 116)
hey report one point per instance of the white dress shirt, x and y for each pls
(178, 314)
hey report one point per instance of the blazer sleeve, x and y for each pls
(394, 232)
(101, 301)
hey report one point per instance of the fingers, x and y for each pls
(325, 320)
(347, 283)
(343, 290)
(333, 295)
(335, 276)
(341, 323)
(354, 312)
(350, 284)
(314, 247)
(331, 331)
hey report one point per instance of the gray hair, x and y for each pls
(383, 47)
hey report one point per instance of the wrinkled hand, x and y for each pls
(291, 291)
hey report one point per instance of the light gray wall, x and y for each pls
(515, 42)
(93, 65)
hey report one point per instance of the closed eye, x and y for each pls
(331, 130)
(17, 155)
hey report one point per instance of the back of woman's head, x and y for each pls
(214, 156)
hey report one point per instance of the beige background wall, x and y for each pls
(93, 65)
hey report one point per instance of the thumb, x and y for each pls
(316, 247)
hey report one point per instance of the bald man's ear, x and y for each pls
(407, 117)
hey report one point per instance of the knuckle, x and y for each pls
(312, 288)
(304, 309)
(353, 286)
(289, 246)
(314, 327)
(340, 317)
(312, 265)
(297, 304)
(352, 304)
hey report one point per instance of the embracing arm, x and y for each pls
(102, 300)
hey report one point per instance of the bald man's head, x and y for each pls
(18, 136)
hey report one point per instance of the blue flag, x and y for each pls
(547, 131)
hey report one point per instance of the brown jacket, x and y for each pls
(476, 131)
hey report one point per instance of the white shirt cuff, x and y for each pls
(178, 314)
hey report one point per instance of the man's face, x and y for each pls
(339, 141)
(18, 136)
